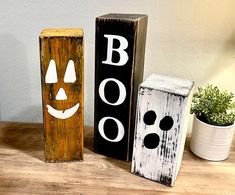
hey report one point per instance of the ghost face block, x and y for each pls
(161, 126)
(62, 93)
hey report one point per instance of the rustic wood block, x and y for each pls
(62, 65)
(119, 63)
(161, 126)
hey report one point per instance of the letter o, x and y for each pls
(121, 131)
(122, 90)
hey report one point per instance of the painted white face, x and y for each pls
(69, 77)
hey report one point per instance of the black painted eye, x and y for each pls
(150, 117)
(151, 141)
(166, 123)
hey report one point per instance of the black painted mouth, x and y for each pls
(151, 141)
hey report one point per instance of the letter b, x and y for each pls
(121, 50)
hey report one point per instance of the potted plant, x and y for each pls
(213, 125)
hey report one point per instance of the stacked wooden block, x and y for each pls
(120, 46)
(62, 93)
(161, 125)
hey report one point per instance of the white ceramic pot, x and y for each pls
(211, 142)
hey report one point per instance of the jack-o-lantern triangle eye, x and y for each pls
(70, 75)
(51, 75)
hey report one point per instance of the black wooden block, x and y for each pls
(119, 64)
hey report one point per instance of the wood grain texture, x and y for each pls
(133, 28)
(23, 170)
(63, 137)
(161, 127)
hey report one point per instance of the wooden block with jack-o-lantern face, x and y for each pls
(61, 52)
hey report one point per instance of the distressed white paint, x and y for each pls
(62, 114)
(70, 74)
(51, 74)
(121, 50)
(120, 126)
(162, 163)
(168, 84)
(122, 91)
(61, 95)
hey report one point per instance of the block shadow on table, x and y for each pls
(26, 137)
(29, 138)
(89, 148)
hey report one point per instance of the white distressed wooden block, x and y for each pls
(161, 126)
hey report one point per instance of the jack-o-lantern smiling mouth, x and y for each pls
(62, 114)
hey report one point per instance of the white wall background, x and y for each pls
(192, 39)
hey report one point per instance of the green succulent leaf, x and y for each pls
(214, 106)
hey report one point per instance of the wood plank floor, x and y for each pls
(23, 170)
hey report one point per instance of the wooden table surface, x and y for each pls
(23, 170)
